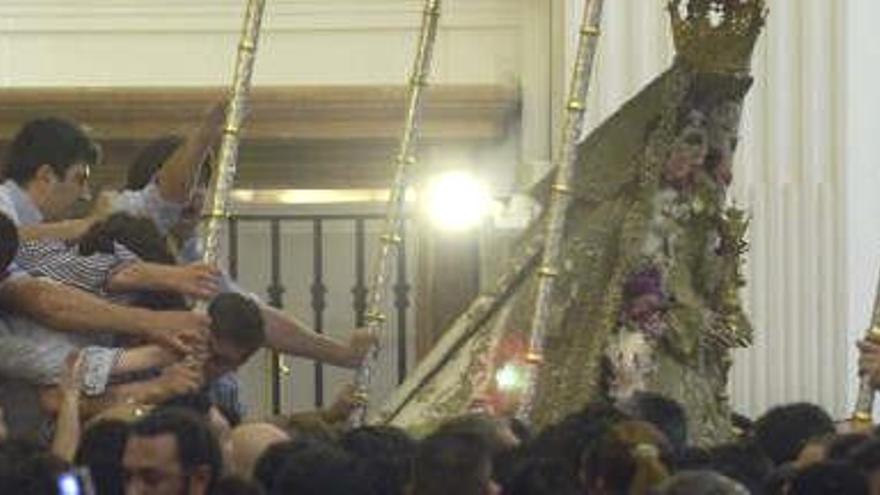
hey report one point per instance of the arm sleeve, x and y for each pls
(36, 354)
(148, 202)
(62, 263)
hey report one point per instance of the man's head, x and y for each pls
(664, 413)
(742, 462)
(249, 442)
(51, 158)
(101, 449)
(236, 333)
(171, 452)
(8, 244)
(458, 463)
(26, 468)
(784, 430)
(827, 478)
(866, 457)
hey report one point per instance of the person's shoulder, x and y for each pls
(7, 203)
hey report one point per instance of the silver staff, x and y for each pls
(561, 197)
(394, 215)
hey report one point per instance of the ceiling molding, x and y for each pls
(276, 113)
(295, 136)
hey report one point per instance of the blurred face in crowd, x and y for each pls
(152, 467)
(61, 193)
(224, 357)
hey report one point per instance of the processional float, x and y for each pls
(630, 278)
(629, 281)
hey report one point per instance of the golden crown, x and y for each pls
(717, 35)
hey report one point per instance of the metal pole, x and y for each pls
(864, 410)
(560, 198)
(394, 214)
(227, 162)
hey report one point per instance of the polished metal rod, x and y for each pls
(390, 238)
(560, 198)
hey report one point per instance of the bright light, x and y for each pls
(509, 377)
(457, 201)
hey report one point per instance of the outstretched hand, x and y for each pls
(345, 403)
(180, 331)
(360, 343)
(198, 280)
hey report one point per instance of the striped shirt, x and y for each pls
(63, 263)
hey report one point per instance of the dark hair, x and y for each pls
(196, 445)
(152, 157)
(664, 413)
(867, 455)
(841, 446)
(28, 469)
(577, 434)
(383, 457)
(101, 449)
(149, 160)
(452, 463)
(482, 424)
(140, 236)
(784, 430)
(198, 403)
(317, 469)
(631, 457)
(272, 460)
(699, 482)
(231, 485)
(237, 319)
(49, 141)
(542, 477)
(8, 242)
(745, 463)
(693, 458)
(829, 478)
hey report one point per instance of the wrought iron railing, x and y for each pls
(276, 286)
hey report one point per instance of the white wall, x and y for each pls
(168, 42)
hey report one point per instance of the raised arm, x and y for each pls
(180, 173)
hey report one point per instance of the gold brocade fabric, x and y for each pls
(649, 199)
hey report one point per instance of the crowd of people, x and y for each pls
(111, 383)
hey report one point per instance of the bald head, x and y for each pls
(249, 441)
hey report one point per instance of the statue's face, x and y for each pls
(723, 131)
(689, 150)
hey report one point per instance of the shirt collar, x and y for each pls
(25, 208)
